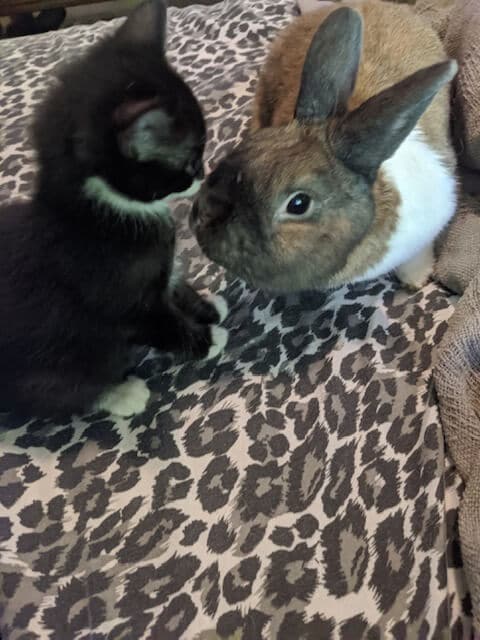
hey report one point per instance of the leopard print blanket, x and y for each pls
(296, 488)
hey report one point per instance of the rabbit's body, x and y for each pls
(422, 171)
(374, 110)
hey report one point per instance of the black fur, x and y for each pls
(79, 283)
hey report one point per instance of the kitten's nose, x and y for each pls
(200, 172)
(195, 168)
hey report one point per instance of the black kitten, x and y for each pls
(87, 267)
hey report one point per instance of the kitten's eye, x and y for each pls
(299, 204)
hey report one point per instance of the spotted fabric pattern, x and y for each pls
(297, 487)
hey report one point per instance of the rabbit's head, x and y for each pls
(286, 208)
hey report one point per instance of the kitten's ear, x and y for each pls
(145, 26)
(148, 127)
(130, 109)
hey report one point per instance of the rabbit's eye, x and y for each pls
(299, 204)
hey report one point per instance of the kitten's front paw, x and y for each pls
(126, 399)
(219, 341)
(212, 310)
(206, 312)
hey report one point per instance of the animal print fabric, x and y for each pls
(295, 488)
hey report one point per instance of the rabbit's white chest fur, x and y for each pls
(428, 199)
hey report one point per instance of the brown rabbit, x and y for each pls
(348, 172)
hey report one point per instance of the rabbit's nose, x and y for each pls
(223, 178)
(214, 179)
(214, 203)
(218, 206)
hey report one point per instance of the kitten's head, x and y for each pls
(122, 114)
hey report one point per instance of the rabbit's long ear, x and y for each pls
(331, 66)
(371, 134)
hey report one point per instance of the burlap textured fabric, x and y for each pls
(462, 41)
(459, 260)
(457, 380)
(437, 12)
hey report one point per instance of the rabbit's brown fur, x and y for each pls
(390, 53)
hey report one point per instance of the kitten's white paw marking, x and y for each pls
(126, 399)
(313, 5)
(219, 341)
(220, 305)
(416, 273)
(103, 193)
(176, 275)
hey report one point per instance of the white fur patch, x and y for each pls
(219, 341)
(99, 190)
(220, 305)
(126, 399)
(428, 201)
(176, 276)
